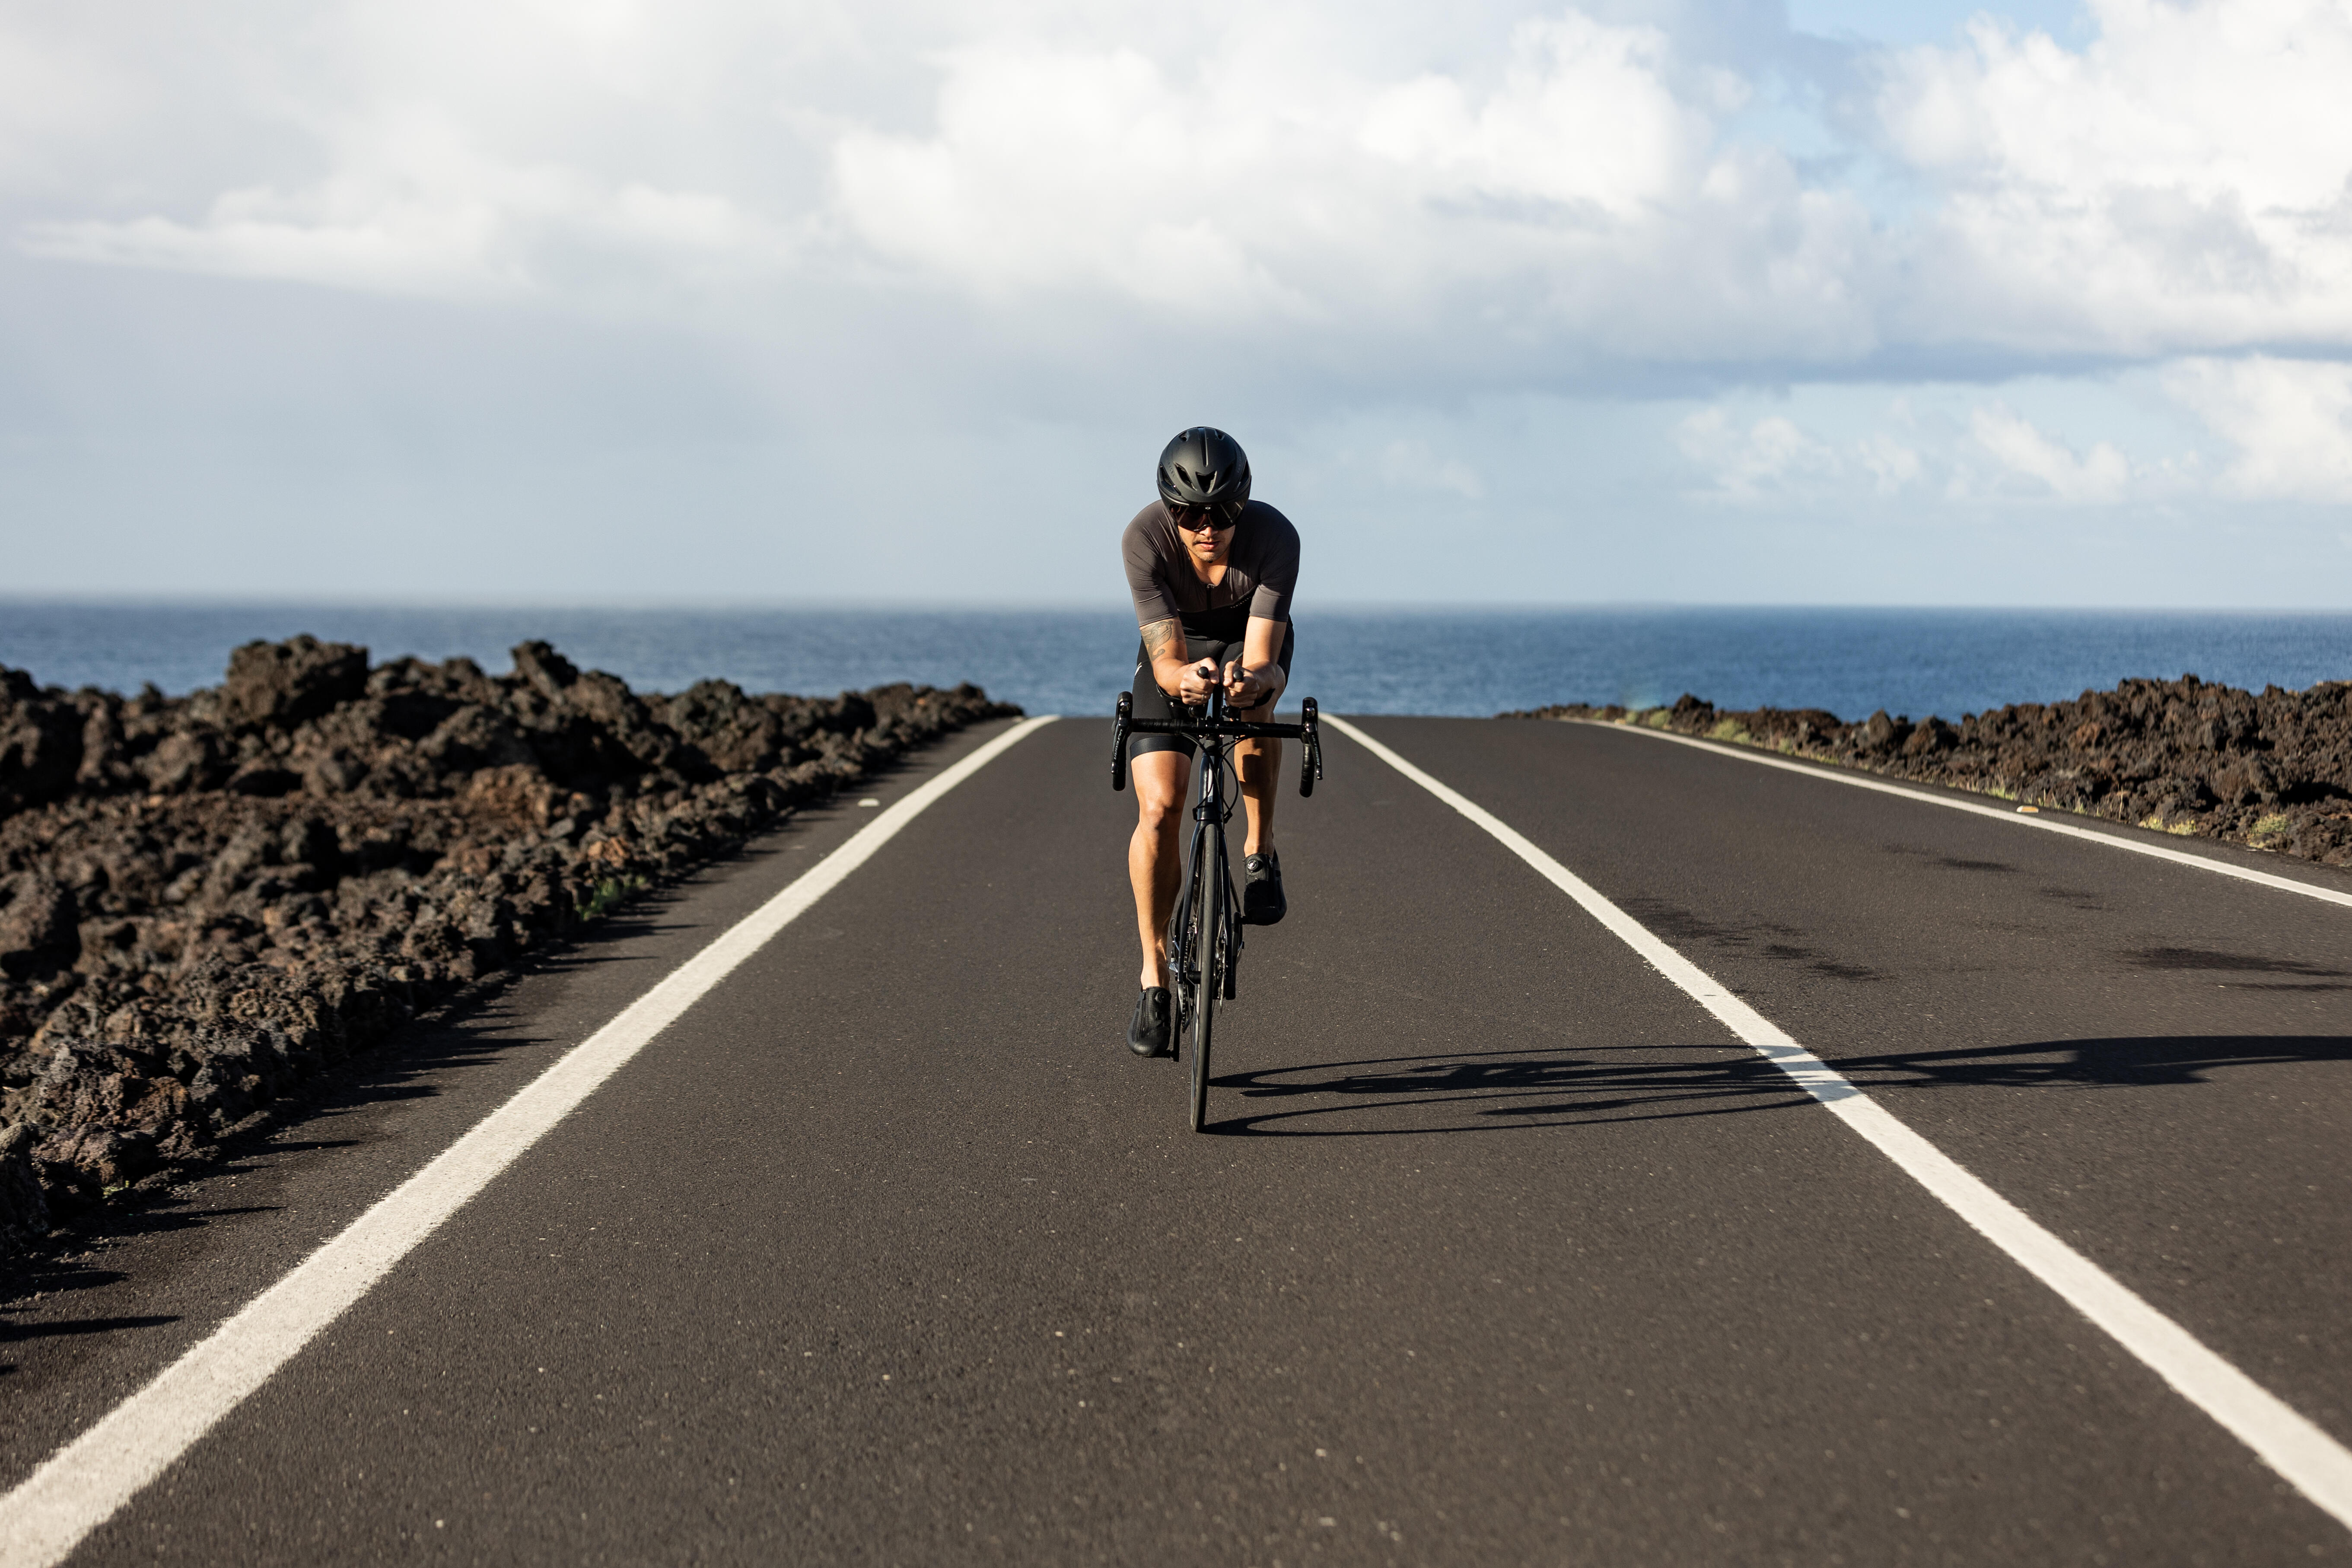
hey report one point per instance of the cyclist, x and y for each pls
(1212, 573)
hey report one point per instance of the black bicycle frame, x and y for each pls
(1210, 864)
(1205, 931)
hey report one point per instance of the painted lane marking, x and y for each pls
(2314, 1462)
(80, 1486)
(2023, 816)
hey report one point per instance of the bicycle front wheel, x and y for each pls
(1211, 973)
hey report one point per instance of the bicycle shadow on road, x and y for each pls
(2121, 1062)
(1496, 1091)
(1505, 1091)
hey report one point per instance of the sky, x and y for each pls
(896, 301)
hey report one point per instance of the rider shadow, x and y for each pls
(1494, 1091)
(2119, 1063)
(1500, 1090)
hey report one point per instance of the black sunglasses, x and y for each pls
(1196, 519)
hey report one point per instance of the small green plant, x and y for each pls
(2270, 825)
(609, 892)
(1656, 717)
(1730, 730)
(2178, 829)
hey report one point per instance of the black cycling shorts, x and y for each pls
(1217, 635)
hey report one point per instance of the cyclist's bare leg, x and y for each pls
(1155, 856)
(1259, 762)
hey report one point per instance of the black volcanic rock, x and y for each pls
(40, 742)
(205, 900)
(285, 683)
(2272, 770)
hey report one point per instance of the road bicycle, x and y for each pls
(1205, 941)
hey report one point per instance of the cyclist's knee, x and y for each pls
(1158, 812)
(1159, 778)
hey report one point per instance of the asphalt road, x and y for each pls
(1501, 1249)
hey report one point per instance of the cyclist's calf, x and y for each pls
(1155, 858)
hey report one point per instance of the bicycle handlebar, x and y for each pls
(1227, 727)
(1216, 726)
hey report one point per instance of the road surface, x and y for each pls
(1502, 1249)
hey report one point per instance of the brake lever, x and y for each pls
(1310, 748)
(1119, 740)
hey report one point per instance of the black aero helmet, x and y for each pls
(1204, 468)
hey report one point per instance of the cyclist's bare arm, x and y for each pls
(1257, 679)
(1164, 642)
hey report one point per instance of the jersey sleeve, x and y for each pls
(1277, 568)
(1143, 568)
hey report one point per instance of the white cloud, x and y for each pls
(1052, 170)
(2291, 421)
(50, 91)
(1891, 465)
(1583, 118)
(1552, 199)
(2179, 182)
(2100, 475)
(442, 220)
(1576, 202)
(1857, 452)
(874, 244)
(1772, 460)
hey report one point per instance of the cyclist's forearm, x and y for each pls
(1163, 645)
(1168, 673)
(1271, 678)
(1260, 647)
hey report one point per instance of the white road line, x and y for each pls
(1997, 813)
(81, 1485)
(2318, 1465)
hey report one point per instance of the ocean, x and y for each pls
(1359, 660)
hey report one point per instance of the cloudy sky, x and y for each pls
(1700, 301)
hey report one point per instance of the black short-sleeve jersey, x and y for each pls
(1260, 567)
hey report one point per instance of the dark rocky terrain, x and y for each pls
(205, 900)
(2272, 770)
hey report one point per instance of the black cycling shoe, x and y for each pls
(1146, 1034)
(1262, 900)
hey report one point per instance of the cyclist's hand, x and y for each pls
(1199, 679)
(1242, 689)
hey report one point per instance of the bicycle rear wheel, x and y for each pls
(1209, 886)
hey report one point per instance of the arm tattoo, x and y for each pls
(1162, 637)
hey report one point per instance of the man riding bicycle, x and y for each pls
(1212, 573)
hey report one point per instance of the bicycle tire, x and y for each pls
(1183, 953)
(1211, 882)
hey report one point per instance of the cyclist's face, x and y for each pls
(1206, 534)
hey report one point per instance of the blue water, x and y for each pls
(1848, 662)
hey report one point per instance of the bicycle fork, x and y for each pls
(1211, 815)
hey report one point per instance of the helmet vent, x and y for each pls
(1203, 467)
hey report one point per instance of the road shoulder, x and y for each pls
(92, 1326)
